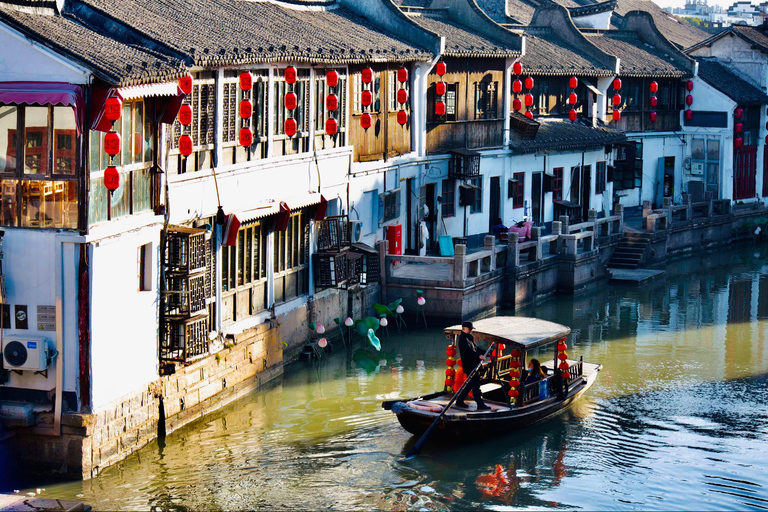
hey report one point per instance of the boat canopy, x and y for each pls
(525, 333)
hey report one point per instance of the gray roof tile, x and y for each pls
(638, 58)
(547, 54)
(556, 135)
(461, 41)
(730, 84)
(680, 32)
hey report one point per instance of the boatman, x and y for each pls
(471, 357)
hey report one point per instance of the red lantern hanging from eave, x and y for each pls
(332, 102)
(572, 98)
(653, 116)
(616, 115)
(402, 117)
(517, 86)
(365, 121)
(331, 126)
(689, 100)
(291, 100)
(246, 109)
(290, 75)
(185, 84)
(366, 75)
(573, 82)
(113, 109)
(245, 137)
(289, 127)
(112, 143)
(572, 115)
(111, 178)
(654, 86)
(688, 115)
(529, 100)
(529, 114)
(366, 98)
(739, 142)
(245, 80)
(517, 68)
(440, 88)
(402, 96)
(185, 115)
(739, 127)
(440, 108)
(653, 101)
(617, 84)
(440, 68)
(739, 113)
(332, 78)
(185, 145)
(529, 83)
(517, 105)
(689, 85)
(402, 75)
(616, 100)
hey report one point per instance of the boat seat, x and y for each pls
(489, 386)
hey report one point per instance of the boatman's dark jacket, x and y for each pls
(470, 354)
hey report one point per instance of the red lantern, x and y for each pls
(366, 75)
(689, 114)
(653, 117)
(440, 88)
(562, 356)
(514, 383)
(528, 100)
(290, 75)
(402, 75)
(573, 82)
(564, 366)
(572, 98)
(332, 102)
(515, 352)
(332, 78)
(517, 68)
(365, 121)
(185, 145)
(616, 115)
(402, 96)
(617, 84)
(572, 115)
(689, 85)
(514, 364)
(366, 98)
(246, 109)
(617, 99)
(654, 101)
(561, 347)
(739, 142)
(654, 86)
(450, 372)
(450, 351)
(246, 81)
(529, 114)
(185, 115)
(514, 373)
(450, 362)
(689, 100)
(440, 68)
(440, 108)
(111, 178)
(331, 126)
(739, 113)
(289, 127)
(291, 101)
(449, 381)
(113, 109)
(185, 84)
(245, 137)
(517, 86)
(112, 143)
(502, 347)
(513, 393)
(517, 105)
(739, 127)
(402, 117)
(529, 83)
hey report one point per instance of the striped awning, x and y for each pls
(272, 207)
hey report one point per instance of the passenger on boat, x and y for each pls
(471, 356)
(535, 373)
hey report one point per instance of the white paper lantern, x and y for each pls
(399, 309)
(383, 322)
(421, 301)
(349, 322)
(320, 329)
(322, 342)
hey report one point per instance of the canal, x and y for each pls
(678, 419)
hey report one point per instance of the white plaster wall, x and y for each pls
(124, 321)
(29, 266)
(22, 60)
(737, 54)
(601, 20)
(656, 146)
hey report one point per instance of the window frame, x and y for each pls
(600, 177)
(519, 195)
(557, 184)
(448, 194)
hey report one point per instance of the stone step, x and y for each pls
(621, 259)
(629, 251)
(611, 264)
(633, 244)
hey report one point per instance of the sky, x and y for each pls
(680, 3)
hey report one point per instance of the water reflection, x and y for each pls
(678, 419)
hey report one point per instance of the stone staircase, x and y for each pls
(630, 253)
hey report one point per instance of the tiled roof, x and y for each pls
(547, 54)
(730, 84)
(114, 62)
(521, 12)
(638, 58)
(597, 8)
(34, 4)
(223, 32)
(555, 135)
(753, 35)
(680, 32)
(461, 41)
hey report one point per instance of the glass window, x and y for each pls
(477, 206)
(64, 146)
(519, 190)
(448, 206)
(8, 127)
(36, 140)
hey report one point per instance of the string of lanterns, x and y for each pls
(528, 99)
(616, 100)
(185, 143)
(245, 108)
(562, 356)
(517, 86)
(653, 101)
(332, 102)
(450, 372)
(573, 83)
(689, 101)
(739, 128)
(366, 97)
(514, 374)
(113, 109)
(402, 96)
(291, 101)
(440, 89)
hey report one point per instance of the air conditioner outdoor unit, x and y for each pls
(355, 231)
(25, 354)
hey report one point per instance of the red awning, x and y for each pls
(167, 97)
(45, 93)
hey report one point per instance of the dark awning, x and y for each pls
(45, 93)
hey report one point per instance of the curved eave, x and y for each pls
(145, 79)
(647, 74)
(482, 55)
(341, 60)
(568, 72)
(572, 146)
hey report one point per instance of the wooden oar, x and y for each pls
(416, 449)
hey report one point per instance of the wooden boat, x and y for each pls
(565, 382)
